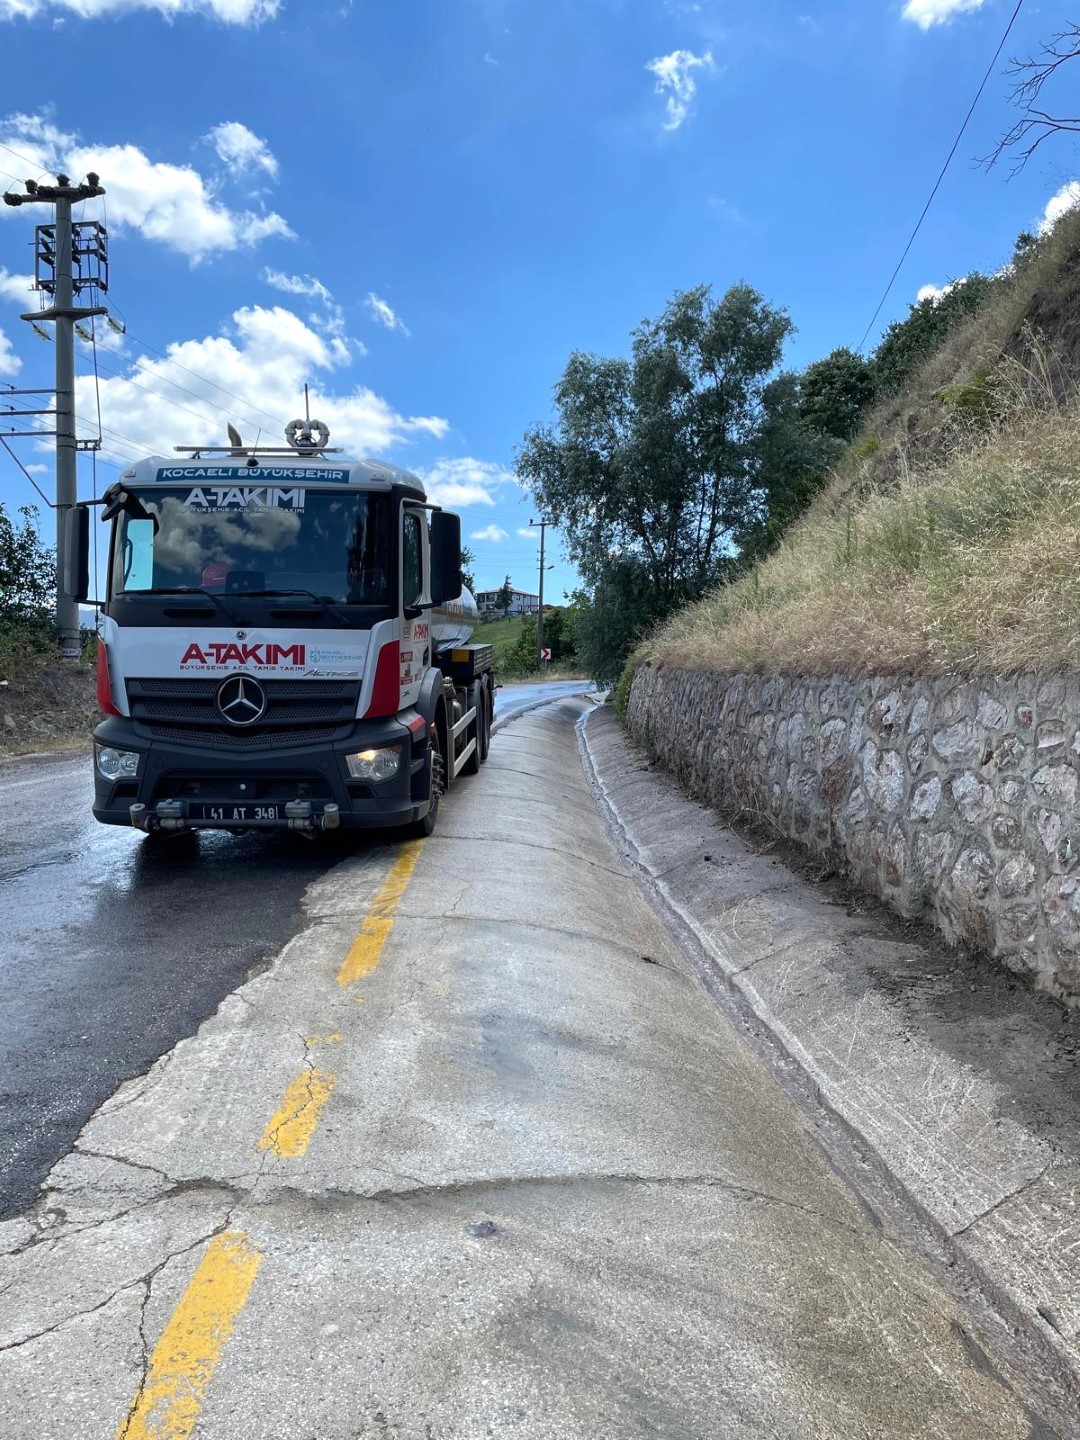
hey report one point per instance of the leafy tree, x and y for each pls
(505, 597)
(654, 465)
(835, 393)
(468, 560)
(907, 344)
(612, 619)
(27, 572)
(797, 458)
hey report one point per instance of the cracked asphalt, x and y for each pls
(542, 1186)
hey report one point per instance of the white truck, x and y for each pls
(284, 644)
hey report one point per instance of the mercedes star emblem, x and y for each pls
(241, 700)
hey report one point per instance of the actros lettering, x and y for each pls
(267, 656)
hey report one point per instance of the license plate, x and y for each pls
(231, 813)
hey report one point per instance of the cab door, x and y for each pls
(415, 632)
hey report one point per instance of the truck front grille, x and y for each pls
(298, 712)
(244, 739)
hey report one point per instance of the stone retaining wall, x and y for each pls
(953, 800)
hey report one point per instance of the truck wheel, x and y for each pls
(478, 701)
(436, 783)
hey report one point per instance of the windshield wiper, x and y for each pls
(189, 590)
(323, 600)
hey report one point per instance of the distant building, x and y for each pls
(521, 602)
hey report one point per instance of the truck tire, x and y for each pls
(420, 829)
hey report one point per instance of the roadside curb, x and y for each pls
(991, 1200)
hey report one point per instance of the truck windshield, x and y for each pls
(235, 540)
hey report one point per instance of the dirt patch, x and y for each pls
(49, 707)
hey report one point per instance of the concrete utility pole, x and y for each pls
(55, 251)
(543, 524)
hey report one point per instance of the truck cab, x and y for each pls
(284, 643)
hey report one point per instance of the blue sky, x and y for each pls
(421, 209)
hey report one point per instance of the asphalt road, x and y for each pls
(111, 951)
(476, 1155)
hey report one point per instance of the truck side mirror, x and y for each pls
(77, 552)
(445, 539)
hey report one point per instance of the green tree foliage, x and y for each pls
(908, 344)
(835, 393)
(468, 560)
(505, 596)
(613, 619)
(27, 572)
(560, 637)
(654, 466)
(797, 456)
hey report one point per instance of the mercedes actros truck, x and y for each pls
(284, 643)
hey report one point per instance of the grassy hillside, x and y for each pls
(501, 635)
(949, 538)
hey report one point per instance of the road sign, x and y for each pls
(545, 654)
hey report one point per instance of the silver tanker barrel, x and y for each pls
(453, 622)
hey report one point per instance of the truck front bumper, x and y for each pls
(181, 786)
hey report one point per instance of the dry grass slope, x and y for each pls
(946, 543)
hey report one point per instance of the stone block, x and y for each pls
(959, 743)
(1048, 826)
(919, 714)
(1006, 832)
(1049, 737)
(972, 877)
(1009, 753)
(883, 777)
(972, 798)
(917, 751)
(1057, 784)
(886, 715)
(926, 799)
(1016, 877)
(992, 714)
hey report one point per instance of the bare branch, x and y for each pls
(1036, 124)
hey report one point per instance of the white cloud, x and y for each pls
(10, 364)
(230, 12)
(925, 13)
(240, 147)
(172, 204)
(1059, 204)
(328, 316)
(382, 312)
(16, 287)
(464, 481)
(938, 292)
(494, 533)
(674, 77)
(266, 357)
(532, 532)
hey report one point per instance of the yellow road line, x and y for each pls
(290, 1128)
(187, 1353)
(367, 948)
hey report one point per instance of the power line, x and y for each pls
(37, 169)
(944, 169)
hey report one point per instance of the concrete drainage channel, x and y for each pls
(973, 1176)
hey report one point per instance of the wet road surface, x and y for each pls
(112, 950)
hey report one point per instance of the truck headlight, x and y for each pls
(381, 764)
(116, 764)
